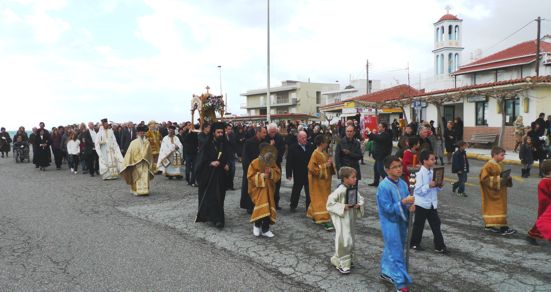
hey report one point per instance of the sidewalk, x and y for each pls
(484, 155)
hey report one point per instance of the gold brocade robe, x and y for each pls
(154, 138)
(319, 181)
(136, 166)
(261, 189)
(494, 195)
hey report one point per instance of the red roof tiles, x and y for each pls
(541, 79)
(520, 54)
(448, 17)
(392, 93)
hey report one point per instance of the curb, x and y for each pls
(483, 157)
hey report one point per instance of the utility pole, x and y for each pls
(268, 118)
(367, 75)
(222, 92)
(538, 20)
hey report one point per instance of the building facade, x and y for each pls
(292, 97)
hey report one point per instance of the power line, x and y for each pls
(510, 35)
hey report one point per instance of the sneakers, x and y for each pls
(268, 234)
(462, 195)
(72, 170)
(417, 248)
(493, 229)
(75, 172)
(531, 240)
(256, 230)
(443, 251)
(454, 187)
(328, 226)
(508, 231)
(343, 270)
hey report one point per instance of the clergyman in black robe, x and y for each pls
(212, 176)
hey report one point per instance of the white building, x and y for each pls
(355, 88)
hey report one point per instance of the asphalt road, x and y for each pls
(66, 232)
(63, 232)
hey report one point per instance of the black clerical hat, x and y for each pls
(104, 120)
(217, 125)
(141, 128)
(172, 127)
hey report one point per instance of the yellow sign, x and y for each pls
(391, 110)
(349, 104)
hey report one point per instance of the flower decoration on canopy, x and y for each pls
(213, 103)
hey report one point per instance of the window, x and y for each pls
(437, 64)
(318, 97)
(456, 61)
(512, 110)
(450, 63)
(457, 32)
(437, 33)
(450, 32)
(481, 110)
(449, 112)
(442, 32)
(441, 64)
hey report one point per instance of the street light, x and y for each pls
(222, 92)
(268, 65)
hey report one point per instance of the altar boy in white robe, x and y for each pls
(170, 155)
(344, 217)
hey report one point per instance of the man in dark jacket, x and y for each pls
(402, 142)
(127, 135)
(275, 139)
(190, 147)
(231, 146)
(296, 168)
(460, 166)
(383, 148)
(250, 152)
(348, 152)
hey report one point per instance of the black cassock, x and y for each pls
(250, 153)
(43, 154)
(213, 183)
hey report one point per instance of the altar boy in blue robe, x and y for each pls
(394, 204)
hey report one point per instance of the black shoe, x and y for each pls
(36, 166)
(91, 174)
(417, 247)
(293, 209)
(219, 225)
(508, 231)
(531, 240)
(249, 211)
(443, 251)
(374, 184)
(386, 278)
(278, 208)
(493, 229)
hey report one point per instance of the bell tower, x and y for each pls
(447, 45)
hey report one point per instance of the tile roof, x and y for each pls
(392, 93)
(541, 79)
(448, 17)
(520, 54)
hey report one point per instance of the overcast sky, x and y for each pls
(67, 61)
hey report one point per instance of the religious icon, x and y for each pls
(352, 195)
(505, 177)
(438, 176)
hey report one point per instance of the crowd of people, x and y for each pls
(206, 157)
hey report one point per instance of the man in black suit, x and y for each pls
(191, 146)
(250, 153)
(231, 146)
(383, 148)
(298, 156)
(275, 139)
(128, 134)
(90, 154)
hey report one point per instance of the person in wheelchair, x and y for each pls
(21, 148)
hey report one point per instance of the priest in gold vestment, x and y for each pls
(262, 175)
(320, 171)
(137, 164)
